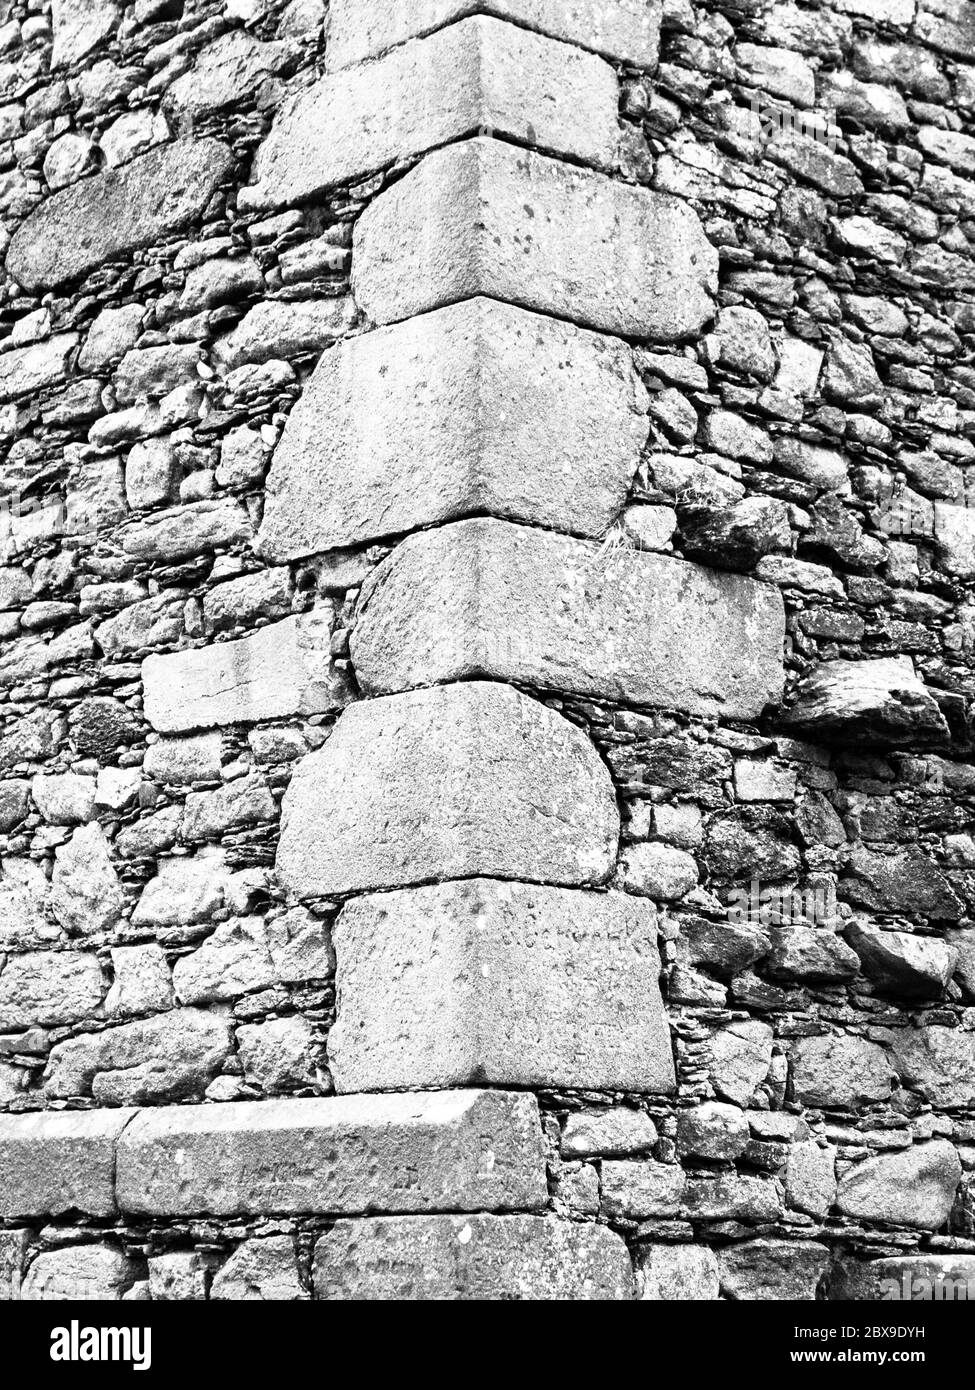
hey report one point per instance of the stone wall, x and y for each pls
(487, 637)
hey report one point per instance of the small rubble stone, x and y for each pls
(914, 1188)
(261, 1271)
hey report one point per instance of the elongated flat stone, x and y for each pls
(480, 1257)
(28, 369)
(99, 218)
(59, 1161)
(449, 1151)
(479, 407)
(448, 783)
(624, 29)
(488, 598)
(500, 983)
(483, 217)
(476, 74)
(282, 670)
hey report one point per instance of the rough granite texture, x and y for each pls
(408, 273)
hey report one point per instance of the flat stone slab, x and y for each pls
(447, 1151)
(479, 74)
(484, 217)
(100, 218)
(59, 1161)
(495, 1258)
(488, 598)
(500, 983)
(283, 669)
(628, 30)
(448, 783)
(478, 407)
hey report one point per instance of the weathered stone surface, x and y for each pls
(740, 1058)
(179, 1277)
(279, 331)
(86, 895)
(280, 1055)
(880, 702)
(104, 217)
(234, 960)
(915, 966)
(772, 1270)
(29, 369)
(488, 598)
(59, 1161)
(184, 891)
(501, 983)
(810, 1178)
(440, 1258)
(225, 74)
(905, 882)
(459, 1150)
(609, 1133)
(479, 407)
(172, 1056)
(732, 1197)
(624, 29)
(181, 532)
(478, 74)
(483, 217)
(915, 1187)
(676, 1273)
(638, 1190)
(79, 26)
(261, 1271)
(937, 1062)
(143, 982)
(23, 894)
(180, 761)
(460, 780)
(712, 1131)
(810, 955)
(840, 1071)
(245, 801)
(906, 1278)
(13, 1249)
(281, 670)
(90, 1273)
(48, 988)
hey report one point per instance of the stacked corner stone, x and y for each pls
(453, 455)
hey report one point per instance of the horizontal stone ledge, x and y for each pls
(110, 214)
(458, 781)
(485, 982)
(486, 598)
(56, 1162)
(478, 407)
(627, 30)
(443, 1151)
(284, 669)
(494, 1258)
(484, 217)
(479, 74)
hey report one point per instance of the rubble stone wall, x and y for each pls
(486, 647)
